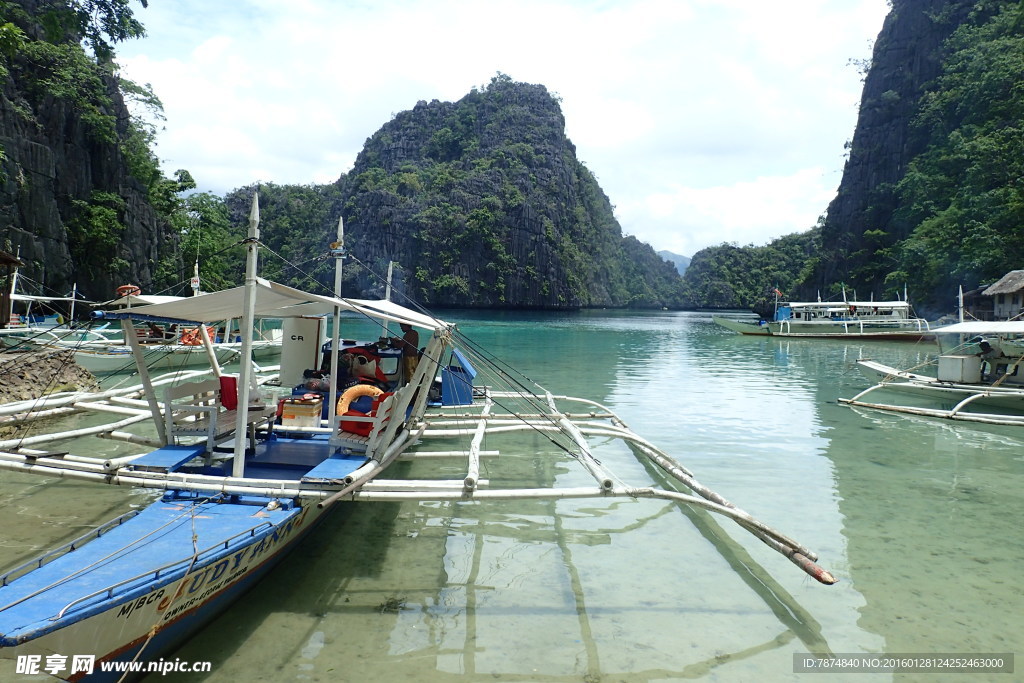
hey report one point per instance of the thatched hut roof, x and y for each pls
(1008, 284)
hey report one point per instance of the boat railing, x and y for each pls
(109, 591)
(52, 555)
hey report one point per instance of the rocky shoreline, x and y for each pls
(33, 374)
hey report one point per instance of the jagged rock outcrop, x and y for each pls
(484, 203)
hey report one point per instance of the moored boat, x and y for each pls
(977, 376)
(848, 319)
(105, 358)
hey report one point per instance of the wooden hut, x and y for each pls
(1007, 295)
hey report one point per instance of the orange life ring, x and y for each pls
(128, 290)
(352, 393)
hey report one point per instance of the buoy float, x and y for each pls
(352, 393)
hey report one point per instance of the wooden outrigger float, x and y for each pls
(242, 482)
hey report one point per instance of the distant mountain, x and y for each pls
(680, 262)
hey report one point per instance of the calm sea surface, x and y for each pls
(919, 519)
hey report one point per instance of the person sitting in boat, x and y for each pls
(988, 352)
(989, 355)
(320, 379)
(157, 333)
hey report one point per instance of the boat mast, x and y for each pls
(248, 315)
(338, 251)
(387, 296)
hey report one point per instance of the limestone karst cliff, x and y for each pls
(63, 171)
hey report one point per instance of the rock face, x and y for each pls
(25, 376)
(907, 56)
(484, 203)
(52, 165)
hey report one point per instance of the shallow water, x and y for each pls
(918, 518)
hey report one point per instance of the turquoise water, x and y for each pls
(918, 518)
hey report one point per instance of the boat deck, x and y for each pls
(292, 458)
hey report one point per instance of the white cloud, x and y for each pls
(702, 106)
(749, 211)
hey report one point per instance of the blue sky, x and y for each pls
(705, 121)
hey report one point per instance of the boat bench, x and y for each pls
(378, 420)
(195, 409)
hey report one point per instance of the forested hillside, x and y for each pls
(931, 193)
(728, 276)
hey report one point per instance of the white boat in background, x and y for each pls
(23, 328)
(244, 478)
(887, 320)
(102, 349)
(115, 359)
(978, 376)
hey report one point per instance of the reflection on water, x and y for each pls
(918, 518)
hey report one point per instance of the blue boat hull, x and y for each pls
(143, 621)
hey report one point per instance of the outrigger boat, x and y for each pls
(243, 479)
(103, 357)
(102, 350)
(978, 377)
(888, 320)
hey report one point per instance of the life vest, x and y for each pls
(193, 336)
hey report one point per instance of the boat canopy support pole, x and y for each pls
(245, 362)
(147, 382)
(338, 251)
(211, 354)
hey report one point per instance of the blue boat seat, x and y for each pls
(167, 459)
(334, 469)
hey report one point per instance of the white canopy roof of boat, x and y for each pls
(141, 300)
(46, 299)
(983, 327)
(273, 300)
